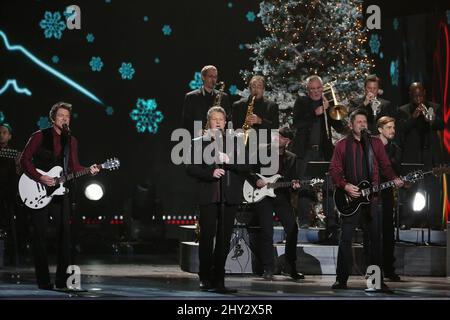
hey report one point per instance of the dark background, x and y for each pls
(203, 32)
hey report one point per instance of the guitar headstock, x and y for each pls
(316, 182)
(413, 176)
(111, 164)
(442, 169)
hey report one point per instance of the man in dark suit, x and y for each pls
(219, 193)
(420, 122)
(374, 106)
(265, 112)
(198, 102)
(281, 205)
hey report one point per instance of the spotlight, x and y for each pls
(94, 191)
(419, 202)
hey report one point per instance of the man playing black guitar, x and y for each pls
(358, 157)
(46, 149)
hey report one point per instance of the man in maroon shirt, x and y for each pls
(351, 163)
(45, 149)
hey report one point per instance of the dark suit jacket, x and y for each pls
(304, 116)
(207, 185)
(386, 109)
(415, 135)
(196, 106)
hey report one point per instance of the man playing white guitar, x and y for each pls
(46, 149)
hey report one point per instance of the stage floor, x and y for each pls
(160, 277)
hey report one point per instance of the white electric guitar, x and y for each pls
(252, 194)
(36, 195)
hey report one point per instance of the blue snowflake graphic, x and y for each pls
(109, 110)
(374, 44)
(241, 46)
(197, 82)
(381, 55)
(126, 71)
(395, 23)
(146, 115)
(167, 30)
(96, 64)
(145, 18)
(55, 59)
(250, 16)
(157, 61)
(2, 117)
(230, 5)
(90, 37)
(52, 25)
(233, 89)
(43, 123)
(394, 72)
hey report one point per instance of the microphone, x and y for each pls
(66, 129)
(366, 131)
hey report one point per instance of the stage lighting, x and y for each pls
(94, 191)
(419, 202)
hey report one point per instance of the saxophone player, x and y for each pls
(265, 112)
(375, 106)
(198, 102)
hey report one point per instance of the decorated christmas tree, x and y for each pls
(308, 37)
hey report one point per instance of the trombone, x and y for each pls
(337, 111)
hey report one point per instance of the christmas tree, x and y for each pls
(307, 37)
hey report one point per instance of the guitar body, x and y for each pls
(252, 194)
(36, 195)
(348, 206)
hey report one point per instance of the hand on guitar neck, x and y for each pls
(50, 182)
(260, 183)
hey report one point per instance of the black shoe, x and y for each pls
(393, 277)
(47, 286)
(205, 285)
(339, 285)
(268, 275)
(296, 275)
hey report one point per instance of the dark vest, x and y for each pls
(44, 158)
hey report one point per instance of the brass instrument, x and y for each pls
(375, 104)
(246, 126)
(427, 112)
(218, 98)
(337, 111)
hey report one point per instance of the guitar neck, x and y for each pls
(73, 175)
(285, 184)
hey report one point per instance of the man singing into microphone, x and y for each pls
(357, 157)
(46, 149)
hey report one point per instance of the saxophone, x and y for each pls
(246, 126)
(216, 103)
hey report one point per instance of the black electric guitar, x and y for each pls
(347, 206)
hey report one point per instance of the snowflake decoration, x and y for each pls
(233, 89)
(374, 44)
(167, 30)
(250, 16)
(241, 46)
(90, 37)
(197, 82)
(43, 123)
(126, 71)
(96, 64)
(394, 72)
(2, 117)
(146, 115)
(395, 23)
(55, 59)
(52, 25)
(381, 55)
(157, 61)
(230, 5)
(109, 110)
(145, 18)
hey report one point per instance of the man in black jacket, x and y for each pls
(199, 101)
(219, 191)
(281, 205)
(374, 106)
(265, 112)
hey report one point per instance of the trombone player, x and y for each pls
(375, 106)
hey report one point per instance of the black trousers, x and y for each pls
(370, 219)
(387, 198)
(264, 210)
(59, 210)
(214, 241)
